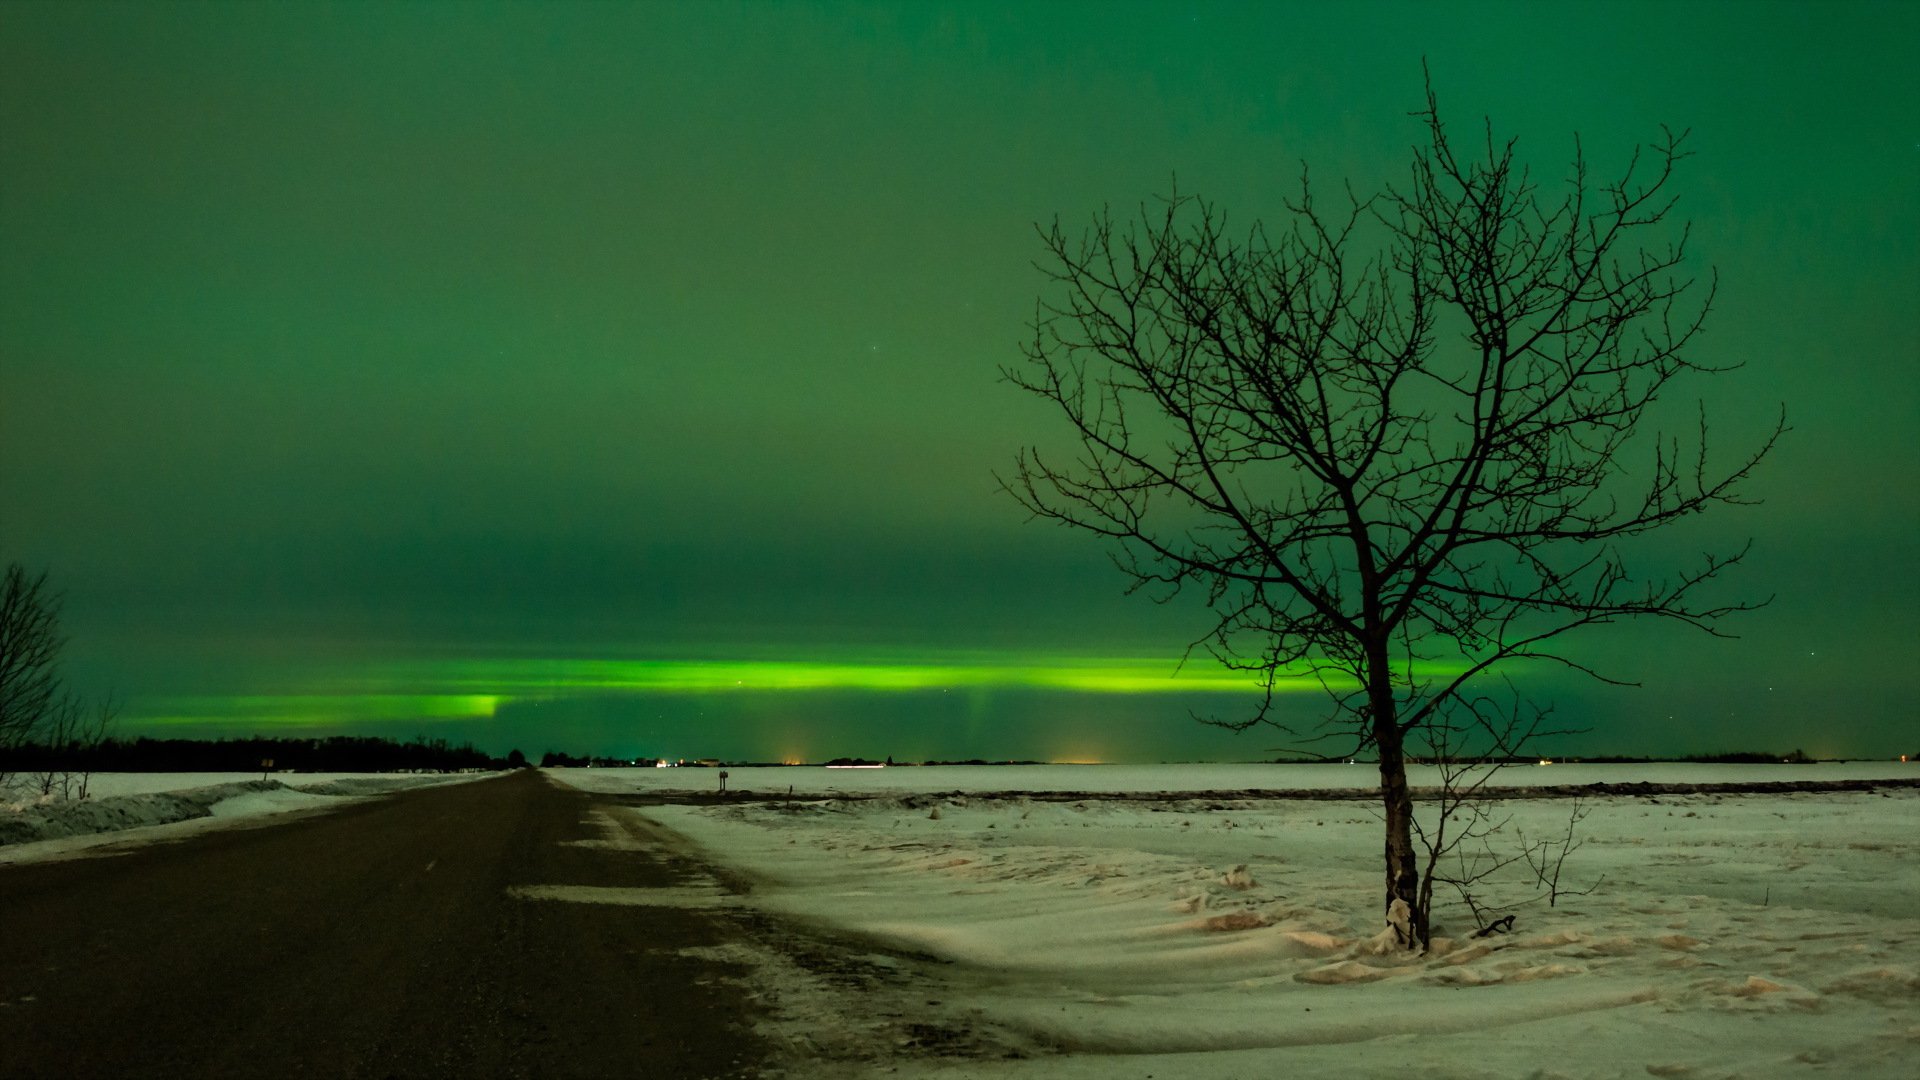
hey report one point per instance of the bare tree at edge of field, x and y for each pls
(40, 719)
(1398, 444)
(30, 645)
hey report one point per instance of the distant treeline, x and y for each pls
(1731, 757)
(555, 759)
(337, 753)
(349, 753)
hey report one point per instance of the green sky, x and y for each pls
(357, 361)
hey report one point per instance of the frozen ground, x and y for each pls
(1220, 937)
(1140, 779)
(132, 807)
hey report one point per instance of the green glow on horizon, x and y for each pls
(658, 359)
(521, 678)
(312, 710)
(477, 688)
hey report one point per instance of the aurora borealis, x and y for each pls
(624, 378)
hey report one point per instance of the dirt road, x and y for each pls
(383, 939)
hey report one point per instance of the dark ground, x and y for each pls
(379, 940)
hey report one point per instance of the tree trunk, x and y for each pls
(1403, 871)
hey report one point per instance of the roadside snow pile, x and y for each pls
(1117, 937)
(30, 822)
(103, 785)
(377, 785)
(54, 820)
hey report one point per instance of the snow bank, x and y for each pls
(107, 785)
(51, 821)
(124, 801)
(1751, 935)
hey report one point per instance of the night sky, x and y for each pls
(624, 378)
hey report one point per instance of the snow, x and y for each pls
(1143, 779)
(131, 808)
(108, 785)
(1752, 935)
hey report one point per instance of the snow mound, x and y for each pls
(1346, 971)
(53, 821)
(60, 820)
(1882, 983)
(371, 785)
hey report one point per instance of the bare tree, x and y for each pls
(30, 645)
(1466, 746)
(66, 741)
(1395, 444)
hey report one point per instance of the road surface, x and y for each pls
(382, 939)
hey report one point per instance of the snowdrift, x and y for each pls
(1707, 934)
(31, 822)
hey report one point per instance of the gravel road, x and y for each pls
(390, 938)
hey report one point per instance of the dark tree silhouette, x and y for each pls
(30, 645)
(1396, 444)
(37, 712)
(334, 753)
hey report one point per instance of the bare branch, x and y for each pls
(1399, 441)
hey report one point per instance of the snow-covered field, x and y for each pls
(1220, 937)
(1140, 779)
